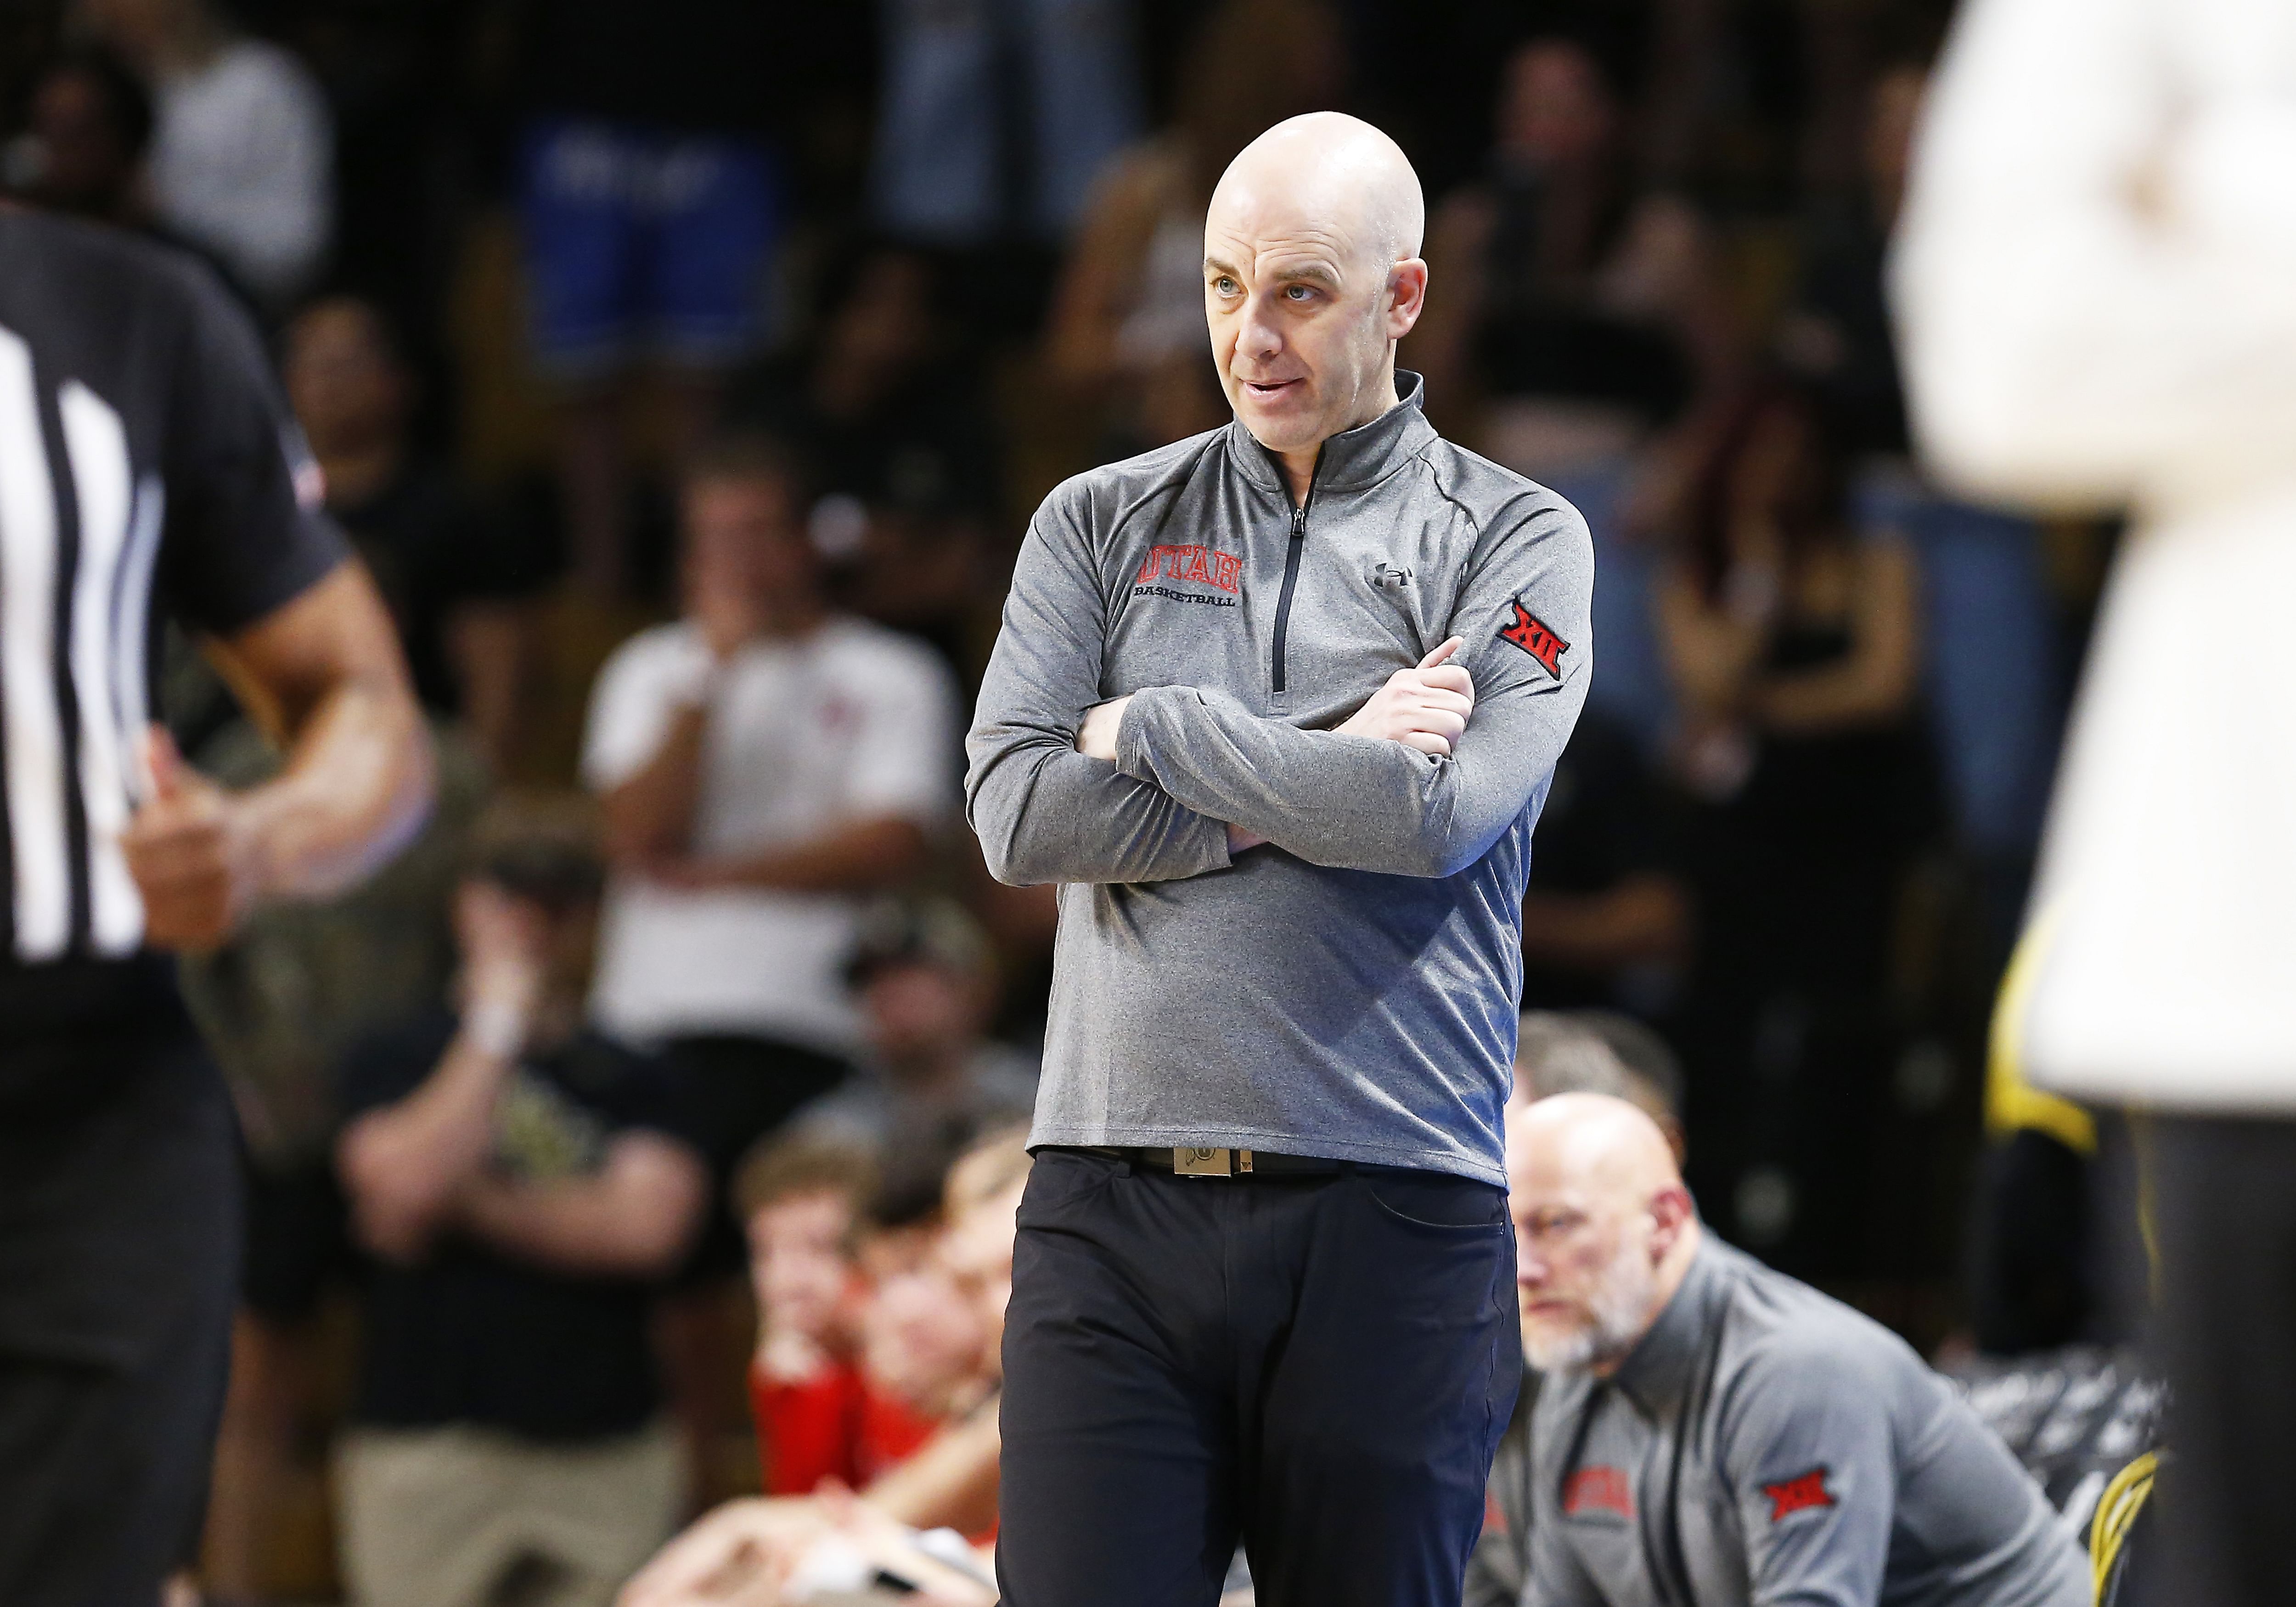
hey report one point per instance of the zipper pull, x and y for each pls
(1299, 522)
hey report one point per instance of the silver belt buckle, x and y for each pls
(1199, 1163)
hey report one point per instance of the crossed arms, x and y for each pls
(1170, 781)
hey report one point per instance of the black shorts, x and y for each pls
(119, 1224)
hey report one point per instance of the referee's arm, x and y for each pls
(323, 674)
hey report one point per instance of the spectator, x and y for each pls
(1793, 648)
(1126, 332)
(763, 762)
(1573, 318)
(935, 1085)
(1606, 915)
(242, 158)
(1992, 679)
(774, 1550)
(803, 1202)
(84, 151)
(650, 202)
(1582, 304)
(458, 586)
(886, 413)
(518, 1182)
(280, 1004)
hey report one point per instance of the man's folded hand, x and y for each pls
(1426, 706)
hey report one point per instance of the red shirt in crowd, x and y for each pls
(832, 1425)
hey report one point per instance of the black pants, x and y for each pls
(2225, 1329)
(1321, 1366)
(119, 1244)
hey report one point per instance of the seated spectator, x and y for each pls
(1126, 332)
(887, 415)
(243, 162)
(1557, 1053)
(763, 762)
(1585, 307)
(82, 152)
(933, 1083)
(1606, 915)
(818, 1418)
(1994, 676)
(766, 1551)
(459, 585)
(1712, 1429)
(1792, 643)
(518, 1182)
(1582, 322)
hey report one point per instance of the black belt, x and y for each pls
(1197, 1162)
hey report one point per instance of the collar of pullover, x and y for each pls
(1353, 458)
(1657, 1374)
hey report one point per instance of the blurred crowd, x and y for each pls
(687, 372)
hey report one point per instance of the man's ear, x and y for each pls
(1671, 1210)
(1406, 296)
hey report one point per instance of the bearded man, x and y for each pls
(1278, 706)
(1710, 1431)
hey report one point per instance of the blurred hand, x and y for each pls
(739, 1555)
(193, 851)
(1097, 737)
(504, 947)
(1426, 706)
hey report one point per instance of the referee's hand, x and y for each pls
(1425, 707)
(192, 852)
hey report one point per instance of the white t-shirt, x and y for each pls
(243, 162)
(853, 723)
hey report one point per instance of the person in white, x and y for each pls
(2096, 286)
(763, 762)
(242, 150)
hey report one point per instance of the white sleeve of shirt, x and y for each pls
(644, 684)
(904, 756)
(2092, 273)
(245, 165)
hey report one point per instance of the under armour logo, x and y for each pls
(1389, 576)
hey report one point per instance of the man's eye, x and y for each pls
(1297, 292)
(1224, 285)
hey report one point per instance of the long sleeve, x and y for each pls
(1807, 1446)
(1042, 811)
(1365, 804)
(2092, 280)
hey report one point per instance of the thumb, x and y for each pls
(168, 776)
(1450, 646)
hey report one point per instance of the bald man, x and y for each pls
(1710, 1433)
(1278, 706)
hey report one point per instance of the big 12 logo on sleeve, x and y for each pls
(1529, 632)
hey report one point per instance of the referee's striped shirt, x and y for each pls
(148, 466)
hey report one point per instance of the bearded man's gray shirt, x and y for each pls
(1765, 1445)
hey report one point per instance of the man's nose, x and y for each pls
(1259, 337)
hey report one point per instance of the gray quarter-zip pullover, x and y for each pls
(1350, 989)
(1767, 1446)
